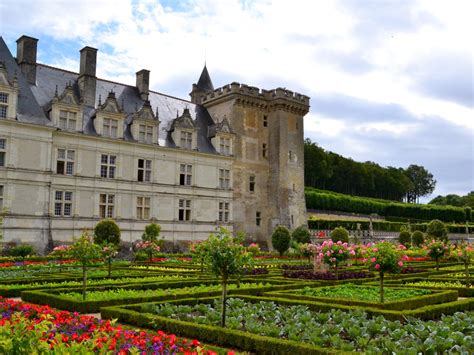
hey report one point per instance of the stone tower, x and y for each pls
(268, 174)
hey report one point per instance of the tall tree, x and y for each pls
(422, 180)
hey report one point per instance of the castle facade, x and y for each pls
(75, 149)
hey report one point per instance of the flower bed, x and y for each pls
(27, 328)
(309, 275)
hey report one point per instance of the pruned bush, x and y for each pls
(340, 234)
(404, 238)
(281, 239)
(301, 235)
(437, 230)
(417, 238)
(107, 232)
(21, 251)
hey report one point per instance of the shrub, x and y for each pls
(436, 250)
(301, 235)
(152, 233)
(340, 234)
(22, 250)
(417, 238)
(405, 238)
(281, 239)
(437, 230)
(333, 254)
(107, 232)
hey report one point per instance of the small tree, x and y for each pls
(61, 252)
(464, 253)
(107, 232)
(152, 234)
(405, 238)
(333, 254)
(340, 234)
(225, 256)
(436, 250)
(150, 249)
(109, 252)
(281, 239)
(385, 258)
(437, 230)
(417, 238)
(253, 249)
(306, 250)
(198, 252)
(301, 235)
(85, 251)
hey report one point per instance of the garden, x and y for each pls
(226, 295)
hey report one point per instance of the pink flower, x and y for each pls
(373, 260)
(377, 266)
(352, 252)
(376, 250)
(328, 253)
(400, 263)
(341, 251)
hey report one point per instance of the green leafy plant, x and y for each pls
(464, 252)
(109, 251)
(437, 230)
(301, 235)
(404, 238)
(281, 239)
(85, 251)
(61, 252)
(152, 234)
(436, 249)
(417, 238)
(340, 234)
(107, 232)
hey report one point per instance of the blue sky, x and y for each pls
(390, 81)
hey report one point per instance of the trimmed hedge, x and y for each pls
(404, 304)
(462, 291)
(330, 201)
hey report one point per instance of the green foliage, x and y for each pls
(417, 238)
(436, 229)
(107, 232)
(152, 234)
(422, 181)
(301, 235)
(281, 239)
(21, 251)
(332, 201)
(340, 234)
(405, 238)
(454, 200)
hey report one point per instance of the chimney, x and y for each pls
(143, 83)
(26, 57)
(87, 79)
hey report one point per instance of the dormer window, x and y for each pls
(145, 134)
(110, 128)
(67, 120)
(186, 140)
(222, 137)
(3, 104)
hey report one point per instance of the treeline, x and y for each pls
(330, 171)
(331, 201)
(454, 200)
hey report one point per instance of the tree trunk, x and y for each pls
(437, 263)
(223, 300)
(315, 263)
(60, 265)
(84, 282)
(468, 279)
(381, 288)
(110, 266)
(336, 271)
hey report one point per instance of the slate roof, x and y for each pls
(205, 83)
(34, 101)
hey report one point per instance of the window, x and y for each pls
(265, 121)
(67, 120)
(3, 104)
(184, 211)
(143, 207)
(3, 147)
(185, 174)
(144, 170)
(258, 218)
(145, 133)
(65, 162)
(63, 203)
(224, 178)
(290, 156)
(292, 220)
(106, 206)
(224, 146)
(264, 150)
(224, 212)
(1, 197)
(186, 140)
(252, 183)
(110, 128)
(107, 166)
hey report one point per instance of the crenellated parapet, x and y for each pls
(279, 98)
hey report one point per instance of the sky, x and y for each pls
(390, 81)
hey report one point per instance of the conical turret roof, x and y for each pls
(205, 83)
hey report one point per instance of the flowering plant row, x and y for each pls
(29, 328)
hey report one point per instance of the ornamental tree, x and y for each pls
(281, 239)
(464, 253)
(385, 257)
(253, 249)
(333, 254)
(109, 252)
(340, 234)
(107, 232)
(149, 248)
(152, 234)
(225, 256)
(198, 252)
(61, 252)
(437, 230)
(85, 251)
(436, 249)
(301, 235)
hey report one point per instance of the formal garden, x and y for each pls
(226, 295)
